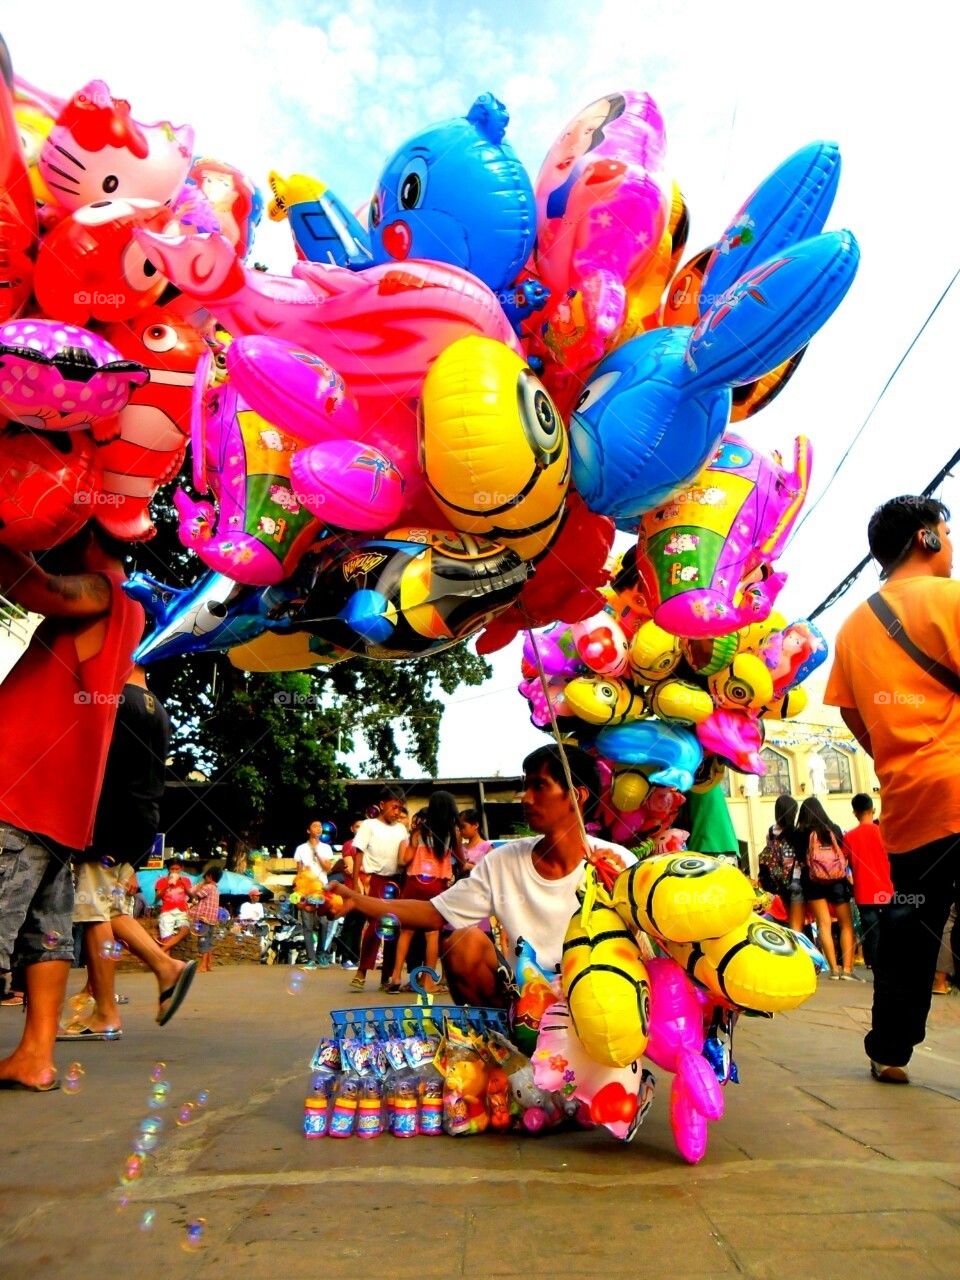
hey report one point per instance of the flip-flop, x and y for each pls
(88, 1034)
(174, 996)
(31, 1088)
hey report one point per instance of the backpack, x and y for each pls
(825, 862)
(776, 861)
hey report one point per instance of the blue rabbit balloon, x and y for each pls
(457, 193)
(654, 411)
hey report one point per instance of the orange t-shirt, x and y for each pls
(912, 719)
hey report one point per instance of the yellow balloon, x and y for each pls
(761, 965)
(683, 897)
(494, 448)
(607, 988)
(293, 651)
(628, 790)
(654, 653)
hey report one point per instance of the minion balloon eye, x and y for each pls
(539, 419)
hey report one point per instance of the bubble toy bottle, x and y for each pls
(344, 1107)
(406, 1122)
(370, 1108)
(431, 1104)
(316, 1108)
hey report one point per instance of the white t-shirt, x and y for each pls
(531, 909)
(380, 844)
(310, 857)
(250, 911)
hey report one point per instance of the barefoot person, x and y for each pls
(57, 707)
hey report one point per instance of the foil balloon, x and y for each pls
(706, 557)
(286, 384)
(684, 897)
(285, 651)
(350, 485)
(734, 738)
(654, 411)
(670, 754)
(89, 268)
(49, 486)
(413, 591)
(18, 214)
(494, 447)
(457, 193)
(96, 150)
(57, 377)
(144, 446)
(603, 199)
(323, 228)
(554, 649)
(260, 528)
(236, 203)
(758, 965)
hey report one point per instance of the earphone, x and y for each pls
(930, 541)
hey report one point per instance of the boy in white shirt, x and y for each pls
(317, 860)
(377, 858)
(530, 885)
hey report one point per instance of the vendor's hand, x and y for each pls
(341, 902)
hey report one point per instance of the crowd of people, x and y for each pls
(82, 780)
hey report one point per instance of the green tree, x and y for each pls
(270, 743)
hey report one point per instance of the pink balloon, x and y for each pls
(293, 388)
(350, 485)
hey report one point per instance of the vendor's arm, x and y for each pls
(69, 595)
(410, 913)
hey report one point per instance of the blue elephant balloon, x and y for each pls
(457, 193)
(653, 413)
(669, 754)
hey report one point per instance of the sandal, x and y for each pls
(392, 988)
(358, 984)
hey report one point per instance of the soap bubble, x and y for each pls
(122, 1203)
(187, 1113)
(159, 1095)
(158, 1071)
(51, 940)
(200, 927)
(73, 1078)
(111, 950)
(145, 1143)
(223, 915)
(151, 1124)
(295, 982)
(147, 1221)
(132, 1169)
(193, 1240)
(108, 862)
(388, 927)
(203, 1098)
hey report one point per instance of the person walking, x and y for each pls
(204, 913)
(824, 880)
(779, 870)
(896, 680)
(428, 858)
(872, 886)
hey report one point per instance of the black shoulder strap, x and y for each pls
(894, 629)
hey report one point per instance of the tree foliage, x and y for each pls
(271, 743)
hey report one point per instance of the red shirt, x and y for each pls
(173, 897)
(872, 885)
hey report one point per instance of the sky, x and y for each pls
(333, 89)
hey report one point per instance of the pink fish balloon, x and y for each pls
(350, 485)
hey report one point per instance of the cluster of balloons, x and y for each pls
(714, 958)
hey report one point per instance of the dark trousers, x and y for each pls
(871, 913)
(370, 942)
(925, 884)
(308, 923)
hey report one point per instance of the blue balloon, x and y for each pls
(674, 751)
(214, 613)
(325, 230)
(654, 410)
(457, 193)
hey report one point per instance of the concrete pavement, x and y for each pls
(815, 1170)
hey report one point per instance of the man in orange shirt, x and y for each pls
(904, 709)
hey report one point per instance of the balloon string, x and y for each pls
(562, 749)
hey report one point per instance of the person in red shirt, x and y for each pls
(173, 891)
(872, 886)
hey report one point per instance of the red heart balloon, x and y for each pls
(612, 1104)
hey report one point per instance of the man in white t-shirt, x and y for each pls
(529, 885)
(377, 860)
(315, 860)
(251, 912)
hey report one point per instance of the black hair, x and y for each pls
(215, 872)
(583, 771)
(893, 525)
(438, 824)
(861, 803)
(392, 793)
(470, 815)
(813, 817)
(785, 812)
(618, 104)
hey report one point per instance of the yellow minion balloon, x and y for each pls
(683, 897)
(493, 446)
(606, 986)
(603, 700)
(759, 965)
